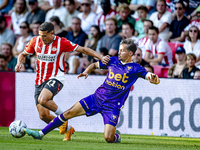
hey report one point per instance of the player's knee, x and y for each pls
(44, 117)
(42, 101)
(109, 139)
(68, 114)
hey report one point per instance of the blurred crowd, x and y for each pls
(165, 31)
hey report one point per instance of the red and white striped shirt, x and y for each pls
(50, 58)
(141, 44)
(100, 21)
(160, 47)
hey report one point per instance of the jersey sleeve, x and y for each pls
(161, 48)
(30, 47)
(101, 65)
(68, 46)
(141, 71)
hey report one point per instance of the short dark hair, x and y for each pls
(46, 26)
(154, 28)
(181, 2)
(57, 21)
(149, 66)
(3, 56)
(143, 8)
(77, 19)
(131, 46)
(128, 23)
(71, 2)
(148, 21)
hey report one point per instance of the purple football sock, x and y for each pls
(116, 137)
(58, 121)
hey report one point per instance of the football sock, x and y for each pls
(56, 122)
(58, 111)
(116, 138)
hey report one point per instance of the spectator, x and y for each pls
(162, 19)
(145, 40)
(6, 35)
(188, 73)
(6, 50)
(3, 64)
(149, 68)
(192, 44)
(124, 16)
(71, 12)
(5, 6)
(111, 39)
(177, 26)
(33, 63)
(158, 51)
(87, 16)
(139, 26)
(18, 16)
(97, 7)
(22, 40)
(197, 74)
(150, 4)
(94, 37)
(35, 31)
(79, 37)
(47, 5)
(137, 58)
(115, 4)
(35, 14)
(128, 31)
(58, 25)
(107, 13)
(175, 70)
(57, 10)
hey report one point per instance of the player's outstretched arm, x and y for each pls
(89, 69)
(88, 51)
(20, 60)
(153, 78)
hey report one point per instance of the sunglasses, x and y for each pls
(31, 3)
(179, 8)
(86, 4)
(137, 54)
(195, 31)
(23, 27)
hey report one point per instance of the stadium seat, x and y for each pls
(158, 70)
(8, 20)
(161, 71)
(165, 71)
(173, 46)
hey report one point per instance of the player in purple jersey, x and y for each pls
(109, 98)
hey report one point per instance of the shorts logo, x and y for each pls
(51, 83)
(129, 68)
(114, 117)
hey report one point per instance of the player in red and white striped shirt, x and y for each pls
(158, 50)
(50, 68)
(145, 40)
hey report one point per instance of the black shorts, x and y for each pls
(52, 85)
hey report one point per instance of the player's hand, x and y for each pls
(154, 79)
(18, 67)
(82, 75)
(105, 59)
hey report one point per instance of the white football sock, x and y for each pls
(41, 133)
(58, 111)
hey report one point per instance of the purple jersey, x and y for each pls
(120, 78)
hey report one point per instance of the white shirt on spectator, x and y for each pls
(99, 9)
(160, 47)
(87, 22)
(188, 47)
(17, 20)
(68, 18)
(166, 18)
(61, 12)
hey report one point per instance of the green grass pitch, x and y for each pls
(95, 141)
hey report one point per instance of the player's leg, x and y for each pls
(109, 134)
(76, 110)
(44, 114)
(110, 117)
